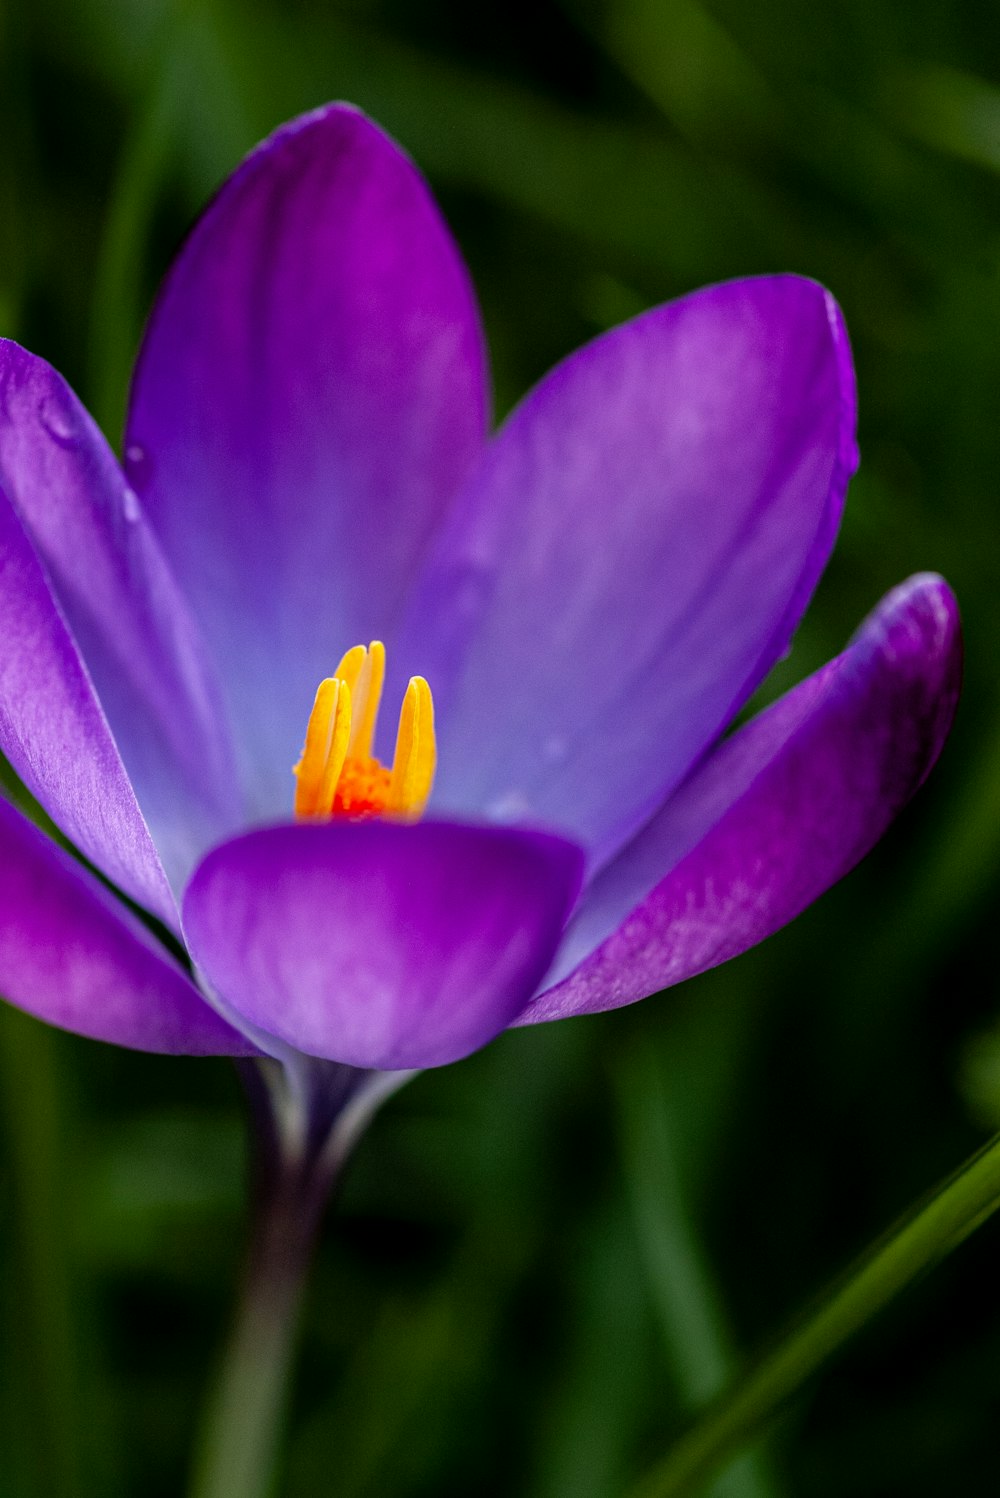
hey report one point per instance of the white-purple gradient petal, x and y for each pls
(310, 394)
(632, 557)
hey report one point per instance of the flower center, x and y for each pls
(337, 775)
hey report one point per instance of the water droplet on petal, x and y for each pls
(59, 421)
(511, 806)
(137, 465)
(130, 506)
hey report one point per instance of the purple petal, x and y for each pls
(310, 394)
(633, 557)
(379, 944)
(781, 811)
(75, 957)
(113, 589)
(54, 733)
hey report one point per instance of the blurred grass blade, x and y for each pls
(925, 1236)
(171, 131)
(116, 313)
(17, 163)
(691, 1315)
(690, 65)
(952, 111)
(596, 1404)
(44, 1372)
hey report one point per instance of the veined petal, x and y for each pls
(75, 957)
(55, 734)
(780, 811)
(113, 589)
(380, 944)
(632, 557)
(311, 390)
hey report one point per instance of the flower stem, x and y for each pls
(247, 1408)
(925, 1236)
(306, 1126)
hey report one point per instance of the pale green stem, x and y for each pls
(306, 1126)
(924, 1237)
(246, 1412)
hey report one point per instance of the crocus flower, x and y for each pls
(580, 604)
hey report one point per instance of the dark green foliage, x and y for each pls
(490, 1312)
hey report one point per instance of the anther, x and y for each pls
(337, 775)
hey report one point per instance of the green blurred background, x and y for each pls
(539, 1255)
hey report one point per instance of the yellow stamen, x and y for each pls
(339, 741)
(368, 695)
(325, 746)
(337, 775)
(415, 758)
(352, 663)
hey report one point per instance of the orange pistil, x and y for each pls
(337, 775)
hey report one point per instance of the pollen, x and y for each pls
(338, 775)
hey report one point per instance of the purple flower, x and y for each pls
(592, 594)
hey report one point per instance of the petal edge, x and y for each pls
(73, 956)
(860, 738)
(381, 944)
